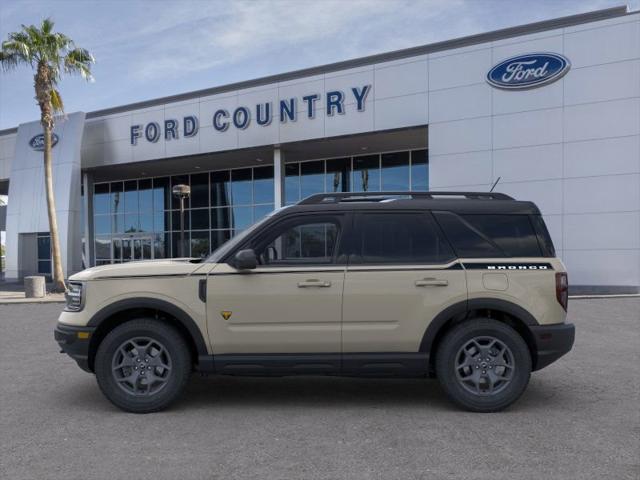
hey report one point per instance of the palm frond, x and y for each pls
(79, 61)
(56, 101)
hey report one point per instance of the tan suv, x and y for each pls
(461, 286)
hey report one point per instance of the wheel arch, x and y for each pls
(121, 311)
(504, 311)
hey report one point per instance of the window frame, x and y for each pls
(355, 258)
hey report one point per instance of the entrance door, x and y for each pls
(132, 248)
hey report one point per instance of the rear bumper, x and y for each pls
(552, 342)
(74, 341)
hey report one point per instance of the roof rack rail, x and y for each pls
(320, 198)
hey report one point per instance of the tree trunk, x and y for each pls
(56, 258)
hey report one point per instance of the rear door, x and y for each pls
(402, 272)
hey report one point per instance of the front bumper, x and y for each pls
(552, 342)
(74, 341)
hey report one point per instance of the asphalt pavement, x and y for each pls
(578, 419)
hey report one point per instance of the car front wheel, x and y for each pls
(483, 365)
(143, 365)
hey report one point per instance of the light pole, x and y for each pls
(182, 192)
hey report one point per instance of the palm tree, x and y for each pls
(50, 55)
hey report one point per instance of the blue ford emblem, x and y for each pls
(528, 71)
(37, 142)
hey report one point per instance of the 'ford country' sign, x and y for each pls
(37, 142)
(528, 71)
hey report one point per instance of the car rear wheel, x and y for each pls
(483, 365)
(143, 365)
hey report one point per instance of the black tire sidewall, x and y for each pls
(461, 334)
(179, 375)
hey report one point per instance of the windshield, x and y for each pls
(230, 244)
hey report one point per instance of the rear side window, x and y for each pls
(399, 238)
(546, 244)
(478, 236)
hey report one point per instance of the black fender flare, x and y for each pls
(155, 304)
(461, 309)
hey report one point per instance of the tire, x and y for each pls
(143, 365)
(482, 382)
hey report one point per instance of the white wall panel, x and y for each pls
(549, 96)
(603, 45)
(459, 103)
(456, 70)
(460, 169)
(546, 194)
(398, 112)
(527, 128)
(615, 193)
(351, 122)
(602, 231)
(609, 156)
(549, 41)
(403, 79)
(603, 267)
(539, 162)
(603, 82)
(460, 136)
(554, 226)
(616, 118)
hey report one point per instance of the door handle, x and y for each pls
(313, 283)
(432, 282)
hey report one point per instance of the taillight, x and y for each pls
(562, 289)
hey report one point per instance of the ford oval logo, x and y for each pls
(37, 142)
(528, 71)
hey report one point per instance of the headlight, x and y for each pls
(74, 297)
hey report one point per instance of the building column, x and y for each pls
(278, 177)
(87, 220)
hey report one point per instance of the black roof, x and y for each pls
(457, 202)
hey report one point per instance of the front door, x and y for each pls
(401, 274)
(291, 303)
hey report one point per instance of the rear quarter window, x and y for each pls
(490, 235)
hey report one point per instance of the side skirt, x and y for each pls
(384, 364)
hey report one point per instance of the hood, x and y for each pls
(175, 266)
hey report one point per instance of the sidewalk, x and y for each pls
(14, 293)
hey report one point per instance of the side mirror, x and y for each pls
(245, 260)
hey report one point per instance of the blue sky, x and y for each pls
(149, 49)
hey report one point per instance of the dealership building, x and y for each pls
(550, 109)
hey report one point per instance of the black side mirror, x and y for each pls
(245, 260)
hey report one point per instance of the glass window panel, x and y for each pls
(175, 245)
(261, 211)
(366, 174)
(241, 187)
(199, 244)
(131, 222)
(220, 189)
(161, 194)
(145, 195)
(311, 178)
(104, 262)
(220, 218)
(420, 170)
(219, 237)
(306, 243)
(179, 180)
(116, 197)
(44, 247)
(117, 249)
(338, 173)
(44, 266)
(102, 224)
(131, 203)
(161, 245)
(117, 223)
(127, 247)
(175, 220)
(200, 219)
(161, 222)
(395, 171)
(200, 190)
(146, 222)
(103, 247)
(242, 217)
(292, 183)
(101, 198)
(263, 188)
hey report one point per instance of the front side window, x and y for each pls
(383, 238)
(301, 242)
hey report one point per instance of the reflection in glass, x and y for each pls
(131, 223)
(146, 222)
(103, 247)
(420, 170)
(160, 245)
(218, 237)
(117, 198)
(44, 247)
(338, 173)
(200, 219)
(366, 173)
(261, 211)
(160, 222)
(161, 194)
(263, 188)
(44, 267)
(311, 178)
(102, 224)
(199, 244)
(292, 183)
(395, 171)
(179, 180)
(145, 195)
(242, 217)
(200, 190)
(131, 203)
(220, 189)
(175, 220)
(221, 218)
(101, 198)
(241, 186)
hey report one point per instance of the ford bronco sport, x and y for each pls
(461, 286)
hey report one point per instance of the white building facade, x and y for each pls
(551, 109)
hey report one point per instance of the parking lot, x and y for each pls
(579, 418)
